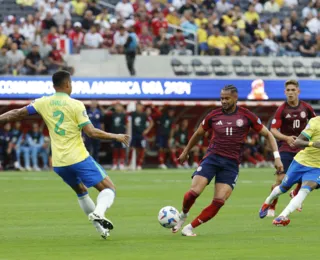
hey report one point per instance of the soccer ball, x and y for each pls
(168, 217)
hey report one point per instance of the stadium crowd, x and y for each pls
(157, 133)
(35, 44)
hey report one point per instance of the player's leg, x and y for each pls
(200, 179)
(34, 157)
(44, 156)
(122, 151)
(174, 159)
(95, 149)
(226, 179)
(196, 151)
(294, 175)
(140, 152)
(26, 157)
(18, 158)
(115, 156)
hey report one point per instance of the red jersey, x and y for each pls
(56, 55)
(291, 121)
(230, 131)
(157, 24)
(76, 37)
(145, 40)
(177, 41)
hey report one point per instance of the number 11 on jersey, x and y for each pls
(228, 130)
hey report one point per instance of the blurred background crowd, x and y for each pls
(35, 38)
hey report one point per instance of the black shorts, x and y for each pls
(225, 170)
(138, 141)
(286, 158)
(118, 145)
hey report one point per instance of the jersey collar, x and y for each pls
(292, 106)
(61, 94)
(230, 113)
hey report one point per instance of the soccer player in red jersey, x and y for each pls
(230, 125)
(289, 121)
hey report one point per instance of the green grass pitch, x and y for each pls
(41, 219)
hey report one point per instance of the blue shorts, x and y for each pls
(286, 158)
(118, 145)
(89, 172)
(138, 141)
(163, 141)
(300, 173)
(225, 170)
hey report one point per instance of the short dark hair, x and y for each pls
(230, 88)
(59, 77)
(292, 82)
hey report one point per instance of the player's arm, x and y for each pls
(147, 130)
(96, 133)
(273, 143)
(304, 138)
(196, 137)
(14, 115)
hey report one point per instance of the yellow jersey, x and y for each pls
(64, 117)
(216, 42)
(310, 155)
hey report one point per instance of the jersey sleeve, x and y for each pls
(35, 107)
(206, 123)
(310, 129)
(255, 121)
(81, 115)
(311, 112)
(277, 120)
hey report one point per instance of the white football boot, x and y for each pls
(187, 231)
(104, 222)
(114, 167)
(163, 166)
(183, 218)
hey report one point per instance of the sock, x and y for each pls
(115, 156)
(130, 156)
(208, 213)
(87, 205)
(122, 156)
(140, 156)
(296, 202)
(196, 159)
(250, 159)
(259, 157)
(296, 190)
(161, 157)
(104, 201)
(273, 195)
(275, 201)
(188, 200)
(174, 159)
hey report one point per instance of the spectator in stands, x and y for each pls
(61, 16)
(94, 8)
(216, 43)
(223, 6)
(275, 26)
(124, 9)
(52, 35)
(15, 59)
(271, 6)
(177, 41)
(201, 19)
(44, 47)
(173, 16)
(107, 36)
(317, 45)
(3, 38)
(130, 48)
(285, 42)
(162, 43)
(177, 4)
(4, 64)
(77, 37)
(28, 28)
(36, 143)
(88, 20)
(16, 36)
(307, 47)
(48, 22)
(258, 7)
(309, 9)
(8, 25)
(189, 25)
(208, 5)
(93, 39)
(5, 152)
(291, 3)
(272, 47)
(34, 64)
(202, 36)
(52, 8)
(79, 7)
(251, 15)
(145, 39)
(245, 43)
(103, 15)
(56, 61)
(232, 42)
(119, 40)
(158, 22)
(313, 23)
(188, 6)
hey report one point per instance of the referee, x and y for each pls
(130, 49)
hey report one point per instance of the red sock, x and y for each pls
(161, 157)
(196, 159)
(174, 158)
(122, 156)
(140, 156)
(188, 200)
(115, 156)
(296, 190)
(259, 157)
(275, 201)
(130, 156)
(208, 213)
(250, 159)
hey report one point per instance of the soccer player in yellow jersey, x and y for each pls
(304, 168)
(65, 118)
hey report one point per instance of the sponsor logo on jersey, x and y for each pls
(219, 123)
(199, 168)
(259, 121)
(229, 123)
(239, 122)
(288, 116)
(303, 114)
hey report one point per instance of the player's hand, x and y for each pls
(316, 145)
(183, 157)
(145, 132)
(122, 138)
(278, 165)
(290, 140)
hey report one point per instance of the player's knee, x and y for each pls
(284, 188)
(218, 202)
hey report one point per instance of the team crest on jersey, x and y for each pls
(274, 121)
(84, 113)
(239, 122)
(303, 114)
(199, 168)
(259, 121)
(307, 126)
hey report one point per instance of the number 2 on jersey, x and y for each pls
(57, 129)
(228, 130)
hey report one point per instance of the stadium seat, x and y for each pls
(240, 69)
(219, 68)
(280, 69)
(316, 68)
(300, 69)
(179, 68)
(199, 68)
(260, 69)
